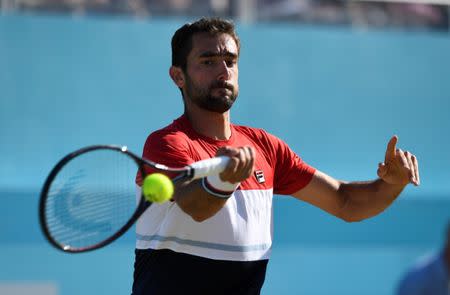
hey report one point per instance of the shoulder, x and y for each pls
(173, 136)
(168, 136)
(171, 146)
(177, 131)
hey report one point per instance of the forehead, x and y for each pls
(219, 44)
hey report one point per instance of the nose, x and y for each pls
(224, 71)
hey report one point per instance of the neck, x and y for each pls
(213, 125)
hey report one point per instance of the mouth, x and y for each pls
(222, 90)
(223, 86)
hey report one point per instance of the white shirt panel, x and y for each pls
(240, 231)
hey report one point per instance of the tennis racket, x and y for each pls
(90, 199)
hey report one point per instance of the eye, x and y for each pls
(231, 62)
(207, 62)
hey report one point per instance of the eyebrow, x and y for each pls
(228, 54)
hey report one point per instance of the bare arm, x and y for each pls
(195, 201)
(350, 201)
(355, 201)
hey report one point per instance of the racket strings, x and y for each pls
(91, 198)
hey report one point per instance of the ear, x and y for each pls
(177, 76)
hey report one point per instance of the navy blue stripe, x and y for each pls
(213, 191)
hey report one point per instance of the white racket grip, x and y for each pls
(211, 166)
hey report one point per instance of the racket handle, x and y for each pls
(207, 167)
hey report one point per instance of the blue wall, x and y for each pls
(336, 96)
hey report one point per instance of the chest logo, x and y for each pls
(259, 174)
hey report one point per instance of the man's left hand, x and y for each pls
(399, 167)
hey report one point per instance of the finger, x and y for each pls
(230, 152)
(416, 169)
(390, 150)
(236, 174)
(230, 170)
(404, 166)
(412, 177)
(403, 160)
(246, 169)
(382, 170)
(250, 155)
(253, 159)
(240, 166)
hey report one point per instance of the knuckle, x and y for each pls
(242, 153)
(233, 162)
(232, 165)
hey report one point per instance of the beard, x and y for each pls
(223, 99)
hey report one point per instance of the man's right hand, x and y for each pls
(241, 163)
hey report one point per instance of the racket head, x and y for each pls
(88, 200)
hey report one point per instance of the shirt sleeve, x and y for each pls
(291, 172)
(169, 149)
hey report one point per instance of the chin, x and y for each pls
(220, 110)
(222, 107)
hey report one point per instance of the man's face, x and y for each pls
(211, 76)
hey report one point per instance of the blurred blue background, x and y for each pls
(334, 94)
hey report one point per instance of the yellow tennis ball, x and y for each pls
(157, 188)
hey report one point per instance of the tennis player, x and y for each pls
(216, 236)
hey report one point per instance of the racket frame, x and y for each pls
(185, 173)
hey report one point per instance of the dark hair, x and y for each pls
(182, 39)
